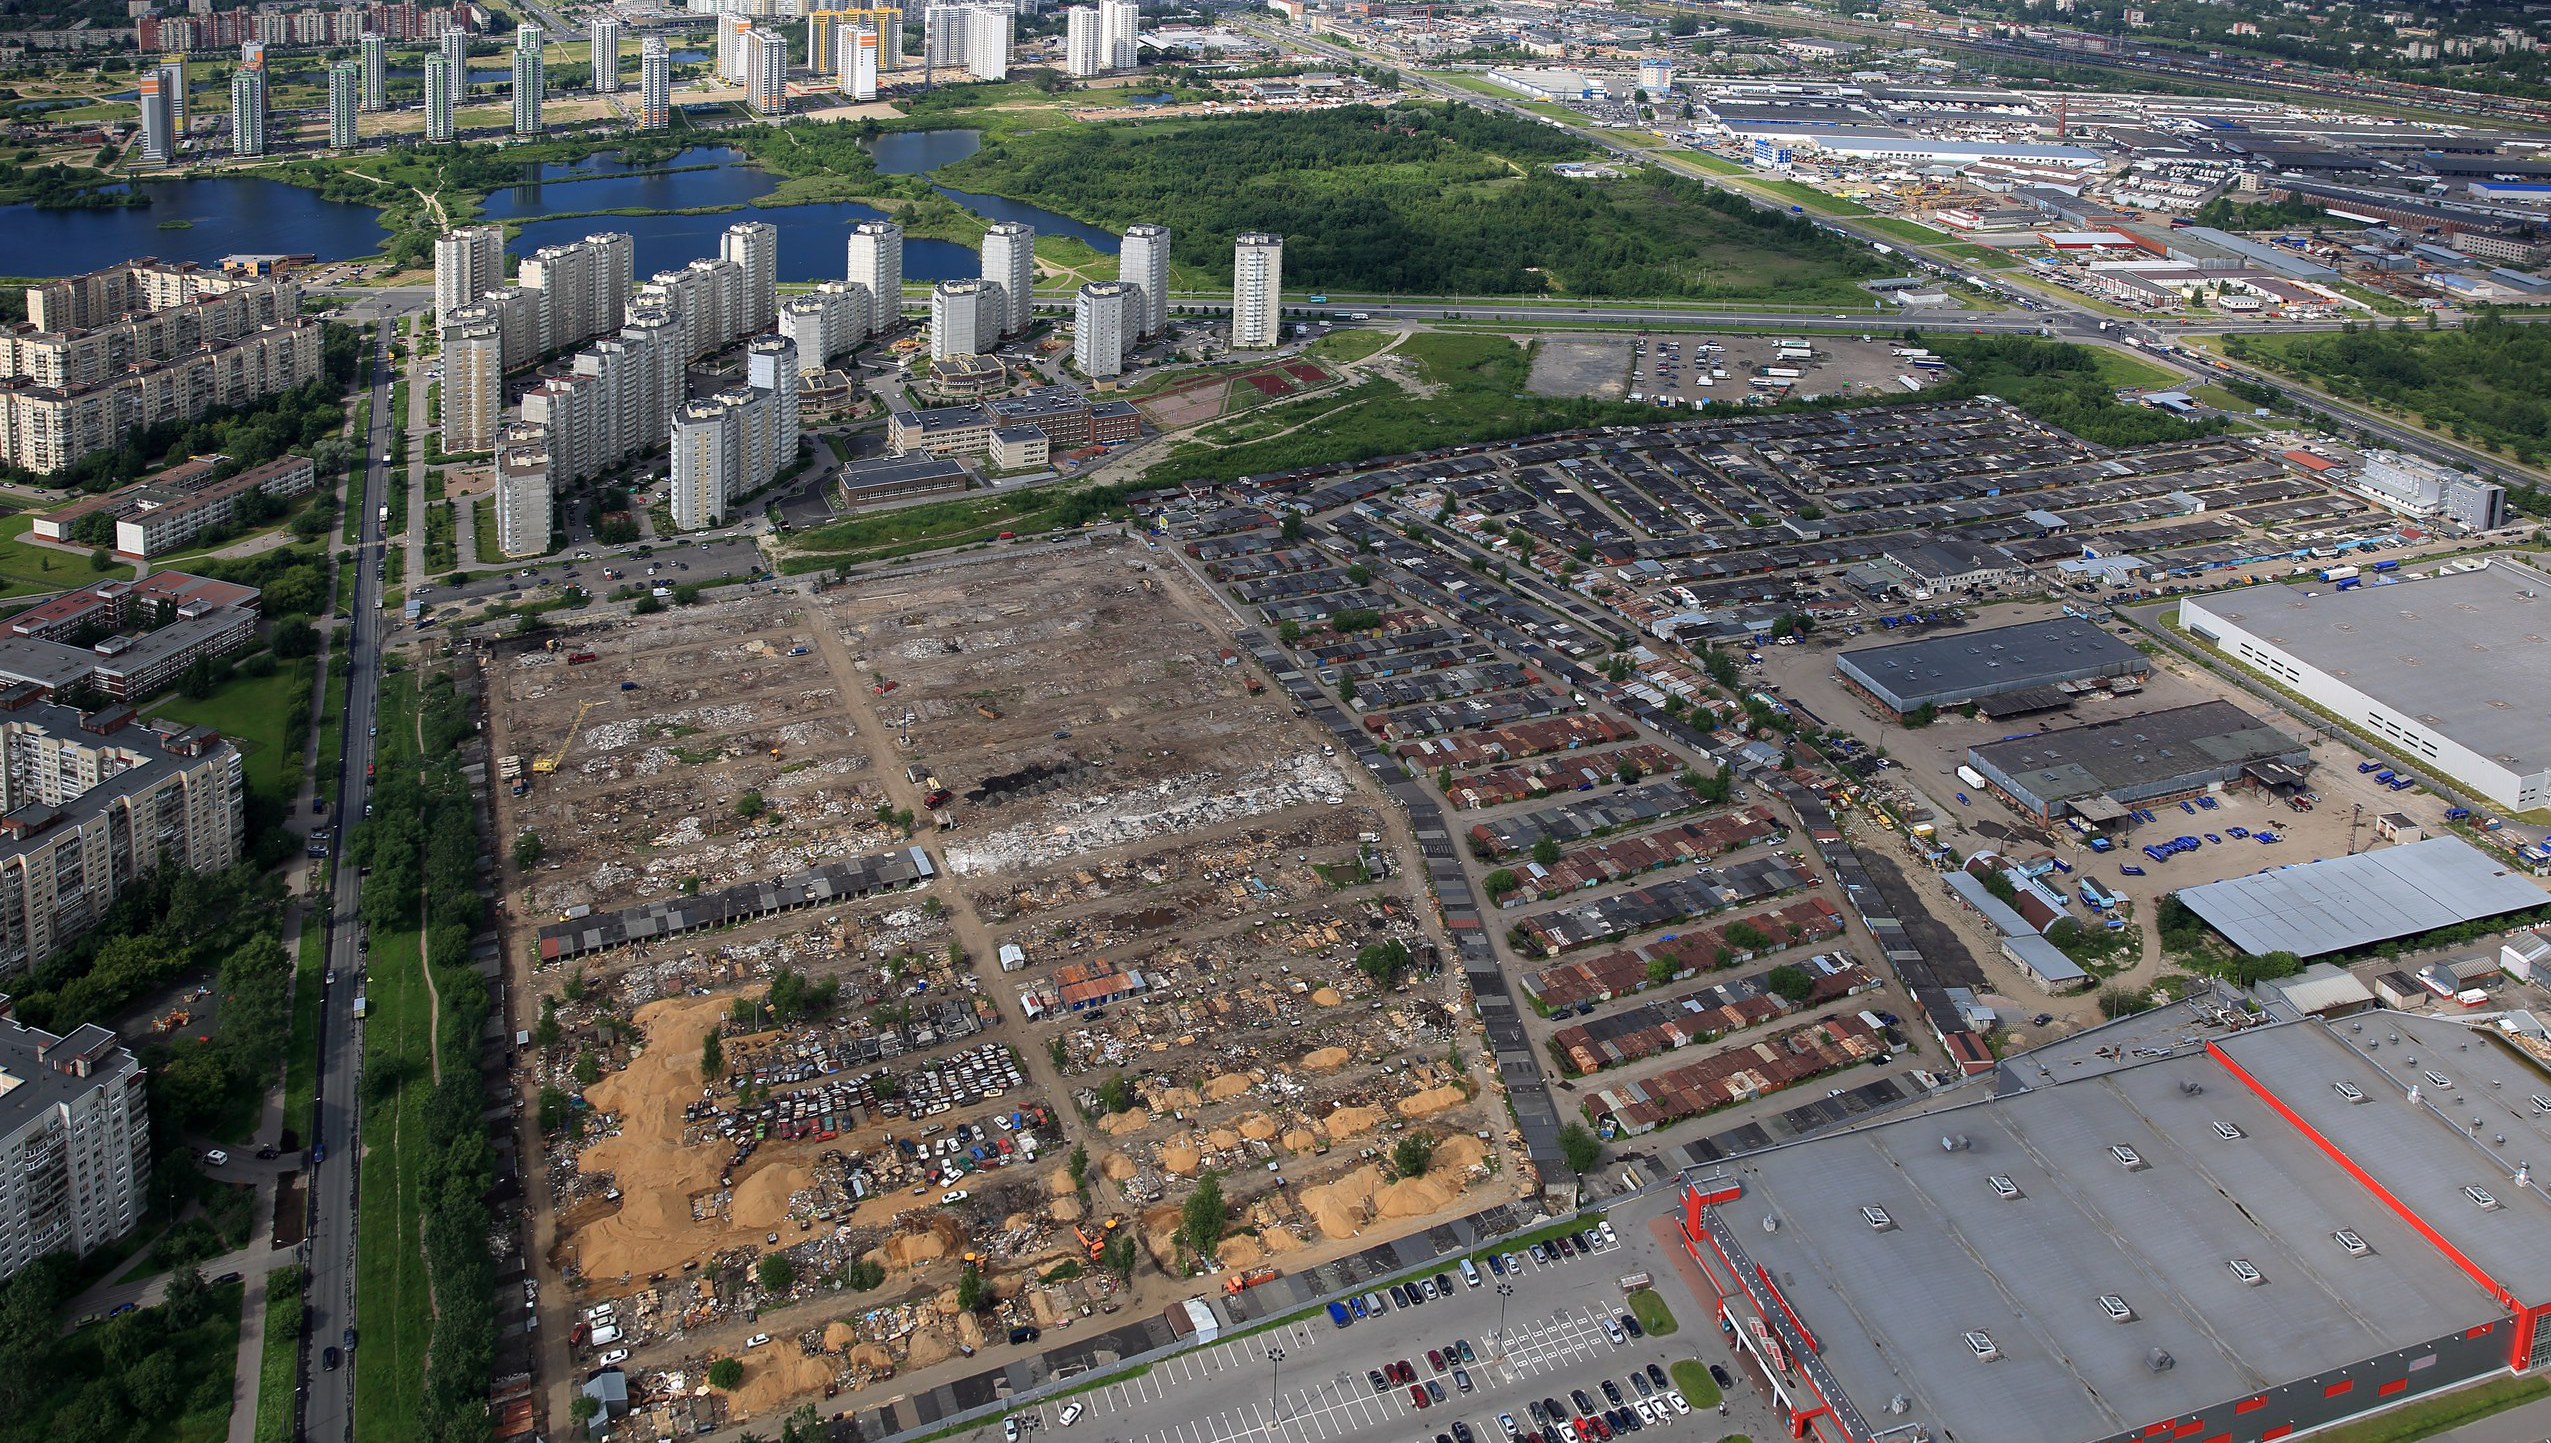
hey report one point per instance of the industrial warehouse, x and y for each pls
(2005, 671)
(2338, 903)
(2439, 667)
(2149, 1235)
(2101, 771)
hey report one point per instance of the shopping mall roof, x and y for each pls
(1960, 666)
(2329, 906)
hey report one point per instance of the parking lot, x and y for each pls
(1309, 1380)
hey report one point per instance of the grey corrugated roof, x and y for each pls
(2328, 906)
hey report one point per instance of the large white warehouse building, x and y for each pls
(2453, 671)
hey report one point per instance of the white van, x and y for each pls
(1470, 1272)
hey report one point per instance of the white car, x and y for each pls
(1071, 1414)
(957, 1196)
(616, 1355)
(1009, 1430)
(1675, 1397)
(217, 1157)
(757, 1340)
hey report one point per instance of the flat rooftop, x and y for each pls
(2337, 903)
(2466, 654)
(30, 1086)
(2146, 749)
(1890, 1308)
(1961, 664)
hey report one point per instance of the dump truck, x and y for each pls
(1241, 1282)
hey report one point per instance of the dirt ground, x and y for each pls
(1581, 368)
(1615, 370)
(1149, 841)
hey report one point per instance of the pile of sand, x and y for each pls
(761, 1199)
(1117, 1124)
(1223, 1139)
(1415, 1197)
(1457, 1154)
(911, 1250)
(970, 1330)
(1178, 1099)
(1225, 1086)
(839, 1335)
(1348, 1122)
(1115, 1167)
(1326, 997)
(1300, 1140)
(1065, 1209)
(1241, 1251)
(1341, 1207)
(926, 1347)
(1327, 1059)
(1257, 1127)
(774, 1377)
(872, 1356)
(1060, 1180)
(1180, 1158)
(1433, 1100)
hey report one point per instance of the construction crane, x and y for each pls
(550, 762)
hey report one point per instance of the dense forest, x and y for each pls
(2489, 382)
(1416, 199)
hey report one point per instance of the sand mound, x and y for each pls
(1116, 1167)
(1061, 1182)
(1223, 1139)
(1433, 1100)
(926, 1347)
(1341, 1207)
(1458, 1153)
(1117, 1124)
(1300, 1139)
(1326, 997)
(970, 1330)
(1278, 1240)
(1327, 1059)
(653, 1230)
(1226, 1085)
(1178, 1099)
(1415, 1197)
(775, 1375)
(1065, 1209)
(1241, 1251)
(838, 1336)
(761, 1200)
(1257, 1127)
(1181, 1159)
(1348, 1122)
(912, 1250)
(871, 1355)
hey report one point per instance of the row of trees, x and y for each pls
(2489, 381)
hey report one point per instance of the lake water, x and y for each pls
(913, 152)
(604, 182)
(231, 216)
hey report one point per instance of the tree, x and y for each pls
(1498, 883)
(712, 1057)
(588, 1069)
(1660, 971)
(293, 637)
(189, 1297)
(1546, 851)
(527, 850)
(864, 1274)
(1413, 1152)
(1079, 1167)
(1922, 716)
(2115, 1002)
(1792, 984)
(1116, 1094)
(776, 1273)
(1291, 527)
(971, 1292)
(726, 1375)
(583, 1406)
(1382, 961)
(99, 560)
(1200, 1217)
(1117, 1254)
(1579, 1148)
(553, 1110)
(750, 805)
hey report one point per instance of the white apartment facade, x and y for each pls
(1257, 291)
(75, 1142)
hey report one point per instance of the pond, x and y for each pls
(606, 182)
(916, 152)
(230, 216)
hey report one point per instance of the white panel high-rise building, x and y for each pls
(468, 263)
(707, 452)
(825, 323)
(576, 412)
(248, 106)
(1103, 321)
(473, 378)
(606, 54)
(1257, 291)
(75, 1129)
(754, 246)
(876, 263)
(770, 366)
(441, 99)
(159, 116)
(1120, 27)
(529, 78)
(859, 57)
(766, 72)
(455, 46)
(345, 102)
(734, 47)
(976, 37)
(655, 85)
(375, 54)
(1143, 263)
(583, 285)
(1084, 42)
(525, 495)
(961, 318)
(1009, 270)
(654, 337)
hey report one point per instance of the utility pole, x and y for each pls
(2355, 818)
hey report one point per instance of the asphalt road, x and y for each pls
(326, 1405)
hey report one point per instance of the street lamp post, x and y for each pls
(1275, 1356)
(1505, 1293)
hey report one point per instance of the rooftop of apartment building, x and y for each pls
(40, 1072)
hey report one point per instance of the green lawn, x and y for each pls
(1910, 232)
(1810, 197)
(1692, 1380)
(2446, 1410)
(482, 529)
(1652, 1313)
(275, 1363)
(2119, 368)
(1984, 256)
(266, 717)
(26, 567)
(1714, 164)
(1343, 346)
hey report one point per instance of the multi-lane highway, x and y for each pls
(326, 1403)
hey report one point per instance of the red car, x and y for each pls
(1417, 1396)
(1435, 1359)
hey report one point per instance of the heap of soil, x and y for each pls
(838, 1336)
(1348, 1122)
(1061, 1182)
(1224, 1086)
(1257, 1127)
(1178, 1099)
(1065, 1209)
(1241, 1251)
(1300, 1140)
(776, 1376)
(1116, 1167)
(1326, 997)
(1117, 1124)
(1327, 1059)
(1223, 1138)
(1180, 1158)
(1433, 1100)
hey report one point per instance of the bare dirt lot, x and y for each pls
(1135, 961)
(1690, 368)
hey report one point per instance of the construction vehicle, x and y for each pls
(1238, 1283)
(550, 762)
(987, 711)
(1097, 1244)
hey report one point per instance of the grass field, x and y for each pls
(394, 1307)
(1692, 1380)
(1810, 197)
(2435, 1415)
(2118, 368)
(1355, 345)
(281, 1352)
(934, 526)
(1714, 164)
(26, 567)
(1984, 256)
(1910, 232)
(264, 716)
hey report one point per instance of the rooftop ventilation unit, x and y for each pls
(2190, 1087)
(1982, 1345)
(2004, 1188)
(1954, 1142)
(2481, 1198)
(2116, 1309)
(1879, 1219)
(2436, 1079)
(2356, 1246)
(2350, 1091)
(2127, 1157)
(2160, 1361)
(2247, 1274)
(2228, 1132)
